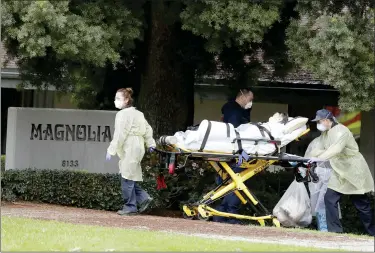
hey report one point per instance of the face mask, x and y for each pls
(249, 105)
(321, 127)
(119, 104)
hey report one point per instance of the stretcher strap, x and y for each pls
(228, 130)
(238, 142)
(262, 129)
(205, 136)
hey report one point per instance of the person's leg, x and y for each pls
(363, 205)
(331, 199)
(221, 208)
(142, 197)
(233, 202)
(320, 208)
(233, 207)
(128, 194)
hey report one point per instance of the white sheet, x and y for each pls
(219, 142)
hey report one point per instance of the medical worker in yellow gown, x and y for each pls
(132, 134)
(350, 173)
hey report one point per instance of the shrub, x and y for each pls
(72, 188)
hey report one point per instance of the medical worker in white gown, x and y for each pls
(132, 134)
(350, 173)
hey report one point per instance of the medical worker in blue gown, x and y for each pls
(235, 112)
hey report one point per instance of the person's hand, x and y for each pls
(107, 157)
(242, 157)
(293, 163)
(315, 159)
(151, 149)
(240, 160)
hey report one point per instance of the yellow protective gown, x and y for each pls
(132, 132)
(351, 174)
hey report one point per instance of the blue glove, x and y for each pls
(293, 163)
(314, 159)
(240, 160)
(151, 149)
(243, 156)
(107, 157)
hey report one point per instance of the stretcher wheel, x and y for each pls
(276, 222)
(187, 217)
(200, 217)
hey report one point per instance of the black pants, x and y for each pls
(230, 203)
(362, 204)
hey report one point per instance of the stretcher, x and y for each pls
(235, 182)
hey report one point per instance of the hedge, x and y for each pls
(102, 191)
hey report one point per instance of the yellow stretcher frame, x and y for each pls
(203, 211)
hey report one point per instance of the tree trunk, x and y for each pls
(167, 87)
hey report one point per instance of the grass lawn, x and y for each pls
(313, 231)
(21, 234)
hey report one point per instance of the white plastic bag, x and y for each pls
(294, 207)
(319, 189)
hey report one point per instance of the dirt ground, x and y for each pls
(188, 227)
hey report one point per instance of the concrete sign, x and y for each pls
(41, 138)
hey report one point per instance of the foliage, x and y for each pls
(73, 44)
(68, 44)
(72, 188)
(335, 42)
(229, 23)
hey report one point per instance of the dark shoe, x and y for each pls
(144, 205)
(125, 212)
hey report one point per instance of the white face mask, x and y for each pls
(249, 105)
(321, 127)
(119, 104)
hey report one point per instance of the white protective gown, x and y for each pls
(132, 132)
(351, 174)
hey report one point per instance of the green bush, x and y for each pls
(102, 191)
(72, 188)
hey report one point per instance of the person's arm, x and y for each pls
(338, 144)
(148, 137)
(123, 124)
(314, 149)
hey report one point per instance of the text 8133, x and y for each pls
(69, 163)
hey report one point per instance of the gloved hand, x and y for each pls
(293, 163)
(242, 157)
(240, 160)
(315, 159)
(108, 157)
(151, 149)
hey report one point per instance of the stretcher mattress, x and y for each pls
(220, 136)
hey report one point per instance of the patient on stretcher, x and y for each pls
(214, 136)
